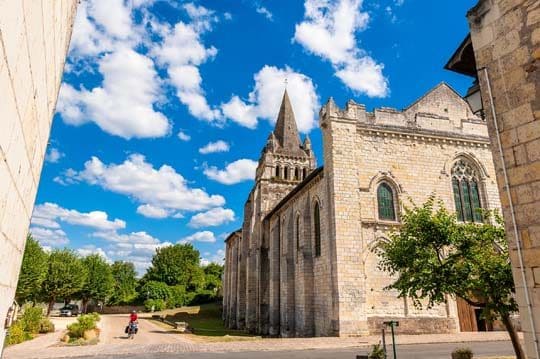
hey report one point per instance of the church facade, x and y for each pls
(303, 263)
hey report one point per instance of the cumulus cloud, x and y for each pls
(213, 147)
(48, 215)
(92, 249)
(49, 237)
(265, 99)
(181, 52)
(161, 188)
(212, 218)
(53, 155)
(218, 257)
(235, 172)
(124, 104)
(204, 236)
(329, 30)
(184, 136)
(150, 211)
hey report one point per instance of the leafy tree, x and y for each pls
(33, 271)
(176, 265)
(64, 278)
(155, 290)
(212, 276)
(433, 256)
(99, 281)
(125, 283)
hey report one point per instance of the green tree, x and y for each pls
(99, 281)
(65, 276)
(33, 271)
(433, 256)
(155, 290)
(176, 265)
(212, 276)
(125, 283)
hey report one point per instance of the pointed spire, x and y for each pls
(307, 143)
(286, 131)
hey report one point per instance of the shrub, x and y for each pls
(155, 290)
(155, 304)
(178, 296)
(462, 353)
(16, 334)
(84, 322)
(31, 319)
(203, 297)
(377, 352)
(46, 326)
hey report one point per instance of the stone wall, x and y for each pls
(506, 40)
(34, 39)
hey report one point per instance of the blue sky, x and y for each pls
(165, 106)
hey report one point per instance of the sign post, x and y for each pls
(392, 324)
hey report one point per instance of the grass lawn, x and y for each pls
(205, 322)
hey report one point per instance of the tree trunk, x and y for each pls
(513, 336)
(50, 306)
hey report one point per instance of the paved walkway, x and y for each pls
(154, 339)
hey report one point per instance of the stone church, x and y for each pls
(302, 264)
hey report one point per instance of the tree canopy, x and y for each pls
(125, 283)
(433, 255)
(65, 276)
(99, 282)
(177, 265)
(33, 271)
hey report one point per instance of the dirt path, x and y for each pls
(113, 326)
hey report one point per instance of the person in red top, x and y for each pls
(133, 317)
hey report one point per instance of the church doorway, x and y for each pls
(470, 318)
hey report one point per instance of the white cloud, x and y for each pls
(264, 11)
(204, 236)
(184, 136)
(49, 237)
(265, 99)
(213, 147)
(212, 218)
(329, 30)
(217, 257)
(92, 249)
(124, 105)
(161, 188)
(150, 211)
(54, 155)
(47, 215)
(399, 2)
(235, 172)
(181, 53)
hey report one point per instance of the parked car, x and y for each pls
(69, 310)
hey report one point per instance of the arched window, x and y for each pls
(286, 173)
(296, 173)
(466, 191)
(297, 234)
(278, 171)
(317, 226)
(385, 202)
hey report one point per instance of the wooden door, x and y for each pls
(467, 316)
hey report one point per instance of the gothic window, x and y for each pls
(466, 192)
(297, 235)
(304, 173)
(286, 173)
(278, 171)
(385, 202)
(296, 173)
(317, 226)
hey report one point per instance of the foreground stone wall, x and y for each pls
(34, 39)
(506, 40)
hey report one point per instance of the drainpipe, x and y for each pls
(516, 234)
